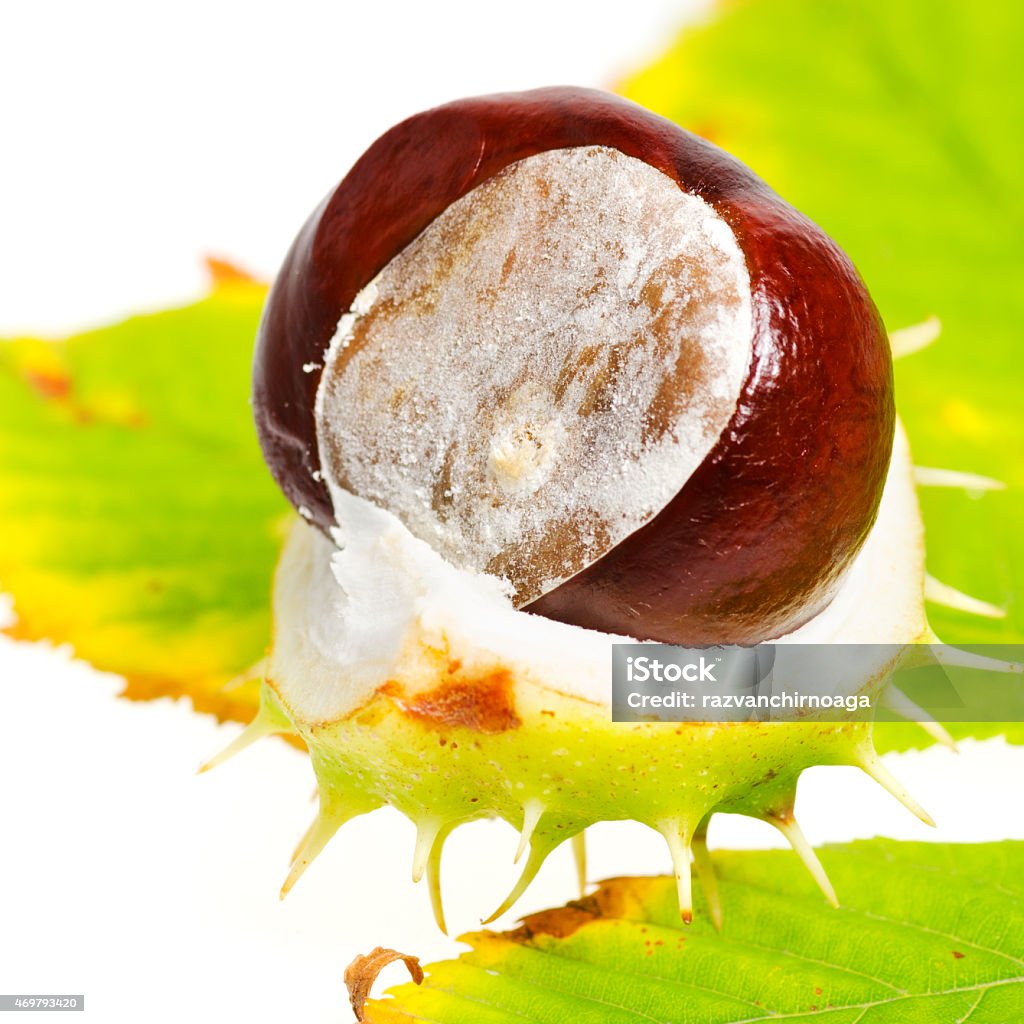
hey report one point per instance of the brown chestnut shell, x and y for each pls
(756, 541)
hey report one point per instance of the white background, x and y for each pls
(134, 139)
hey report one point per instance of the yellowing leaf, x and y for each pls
(926, 933)
(138, 522)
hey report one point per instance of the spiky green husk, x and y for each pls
(562, 767)
(456, 738)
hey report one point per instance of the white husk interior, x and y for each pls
(382, 604)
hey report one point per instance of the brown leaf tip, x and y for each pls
(224, 272)
(362, 973)
(614, 898)
(559, 922)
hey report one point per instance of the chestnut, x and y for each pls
(572, 345)
(548, 353)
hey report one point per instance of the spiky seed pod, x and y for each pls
(545, 372)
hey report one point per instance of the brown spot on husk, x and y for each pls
(362, 973)
(480, 703)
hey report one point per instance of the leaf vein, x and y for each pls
(984, 986)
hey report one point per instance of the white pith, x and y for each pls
(507, 396)
(381, 605)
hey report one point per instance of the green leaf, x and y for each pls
(927, 933)
(893, 125)
(138, 521)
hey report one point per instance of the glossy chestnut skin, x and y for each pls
(755, 542)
